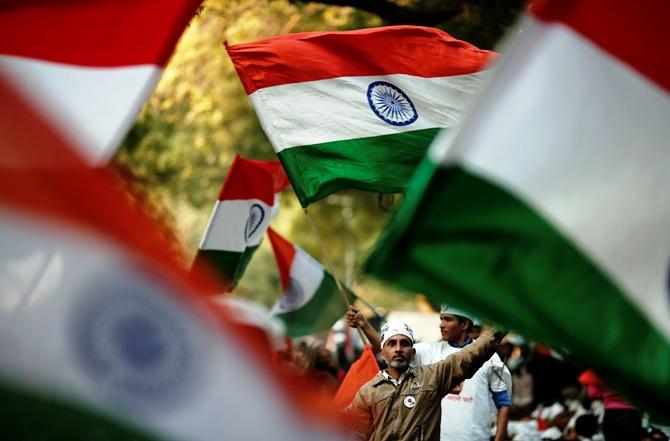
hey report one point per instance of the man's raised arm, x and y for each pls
(355, 318)
(465, 363)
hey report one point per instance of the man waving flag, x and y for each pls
(357, 109)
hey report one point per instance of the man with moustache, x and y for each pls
(468, 409)
(403, 402)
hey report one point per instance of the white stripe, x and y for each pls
(306, 275)
(227, 229)
(337, 109)
(584, 139)
(92, 107)
(218, 389)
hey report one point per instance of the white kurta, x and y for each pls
(467, 416)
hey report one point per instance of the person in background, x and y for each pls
(622, 421)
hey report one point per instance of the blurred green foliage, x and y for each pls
(199, 117)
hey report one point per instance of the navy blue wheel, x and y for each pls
(391, 104)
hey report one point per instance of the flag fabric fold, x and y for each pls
(357, 109)
(310, 301)
(360, 372)
(102, 335)
(80, 64)
(248, 202)
(545, 210)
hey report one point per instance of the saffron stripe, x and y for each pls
(251, 179)
(101, 34)
(285, 254)
(310, 56)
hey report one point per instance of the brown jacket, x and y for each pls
(411, 411)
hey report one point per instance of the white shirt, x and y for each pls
(468, 415)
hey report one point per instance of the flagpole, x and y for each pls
(329, 264)
(371, 308)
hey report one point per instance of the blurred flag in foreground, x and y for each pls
(248, 201)
(101, 337)
(310, 300)
(88, 66)
(357, 109)
(548, 209)
(360, 372)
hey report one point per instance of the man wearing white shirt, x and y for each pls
(467, 412)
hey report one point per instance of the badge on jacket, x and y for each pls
(409, 401)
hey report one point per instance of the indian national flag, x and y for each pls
(88, 66)
(102, 337)
(248, 201)
(548, 210)
(310, 300)
(357, 109)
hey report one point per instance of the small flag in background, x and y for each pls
(88, 67)
(548, 210)
(102, 337)
(357, 109)
(310, 300)
(248, 201)
(360, 372)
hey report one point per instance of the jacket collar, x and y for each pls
(384, 377)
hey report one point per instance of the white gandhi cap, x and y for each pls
(395, 327)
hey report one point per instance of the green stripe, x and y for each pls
(381, 164)
(465, 241)
(229, 265)
(29, 416)
(320, 312)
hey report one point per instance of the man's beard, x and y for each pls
(399, 364)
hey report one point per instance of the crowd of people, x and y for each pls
(469, 387)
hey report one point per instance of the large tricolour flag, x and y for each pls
(88, 66)
(357, 109)
(248, 201)
(102, 337)
(310, 301)
(548, 209)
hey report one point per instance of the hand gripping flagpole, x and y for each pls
(329, 264)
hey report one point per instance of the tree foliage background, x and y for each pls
(199, 117)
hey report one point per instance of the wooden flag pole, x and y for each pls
(371, 308)
(330, 267)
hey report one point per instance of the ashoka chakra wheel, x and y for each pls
(391, 104)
